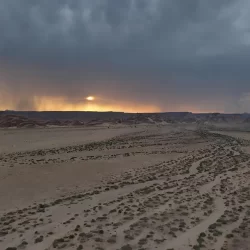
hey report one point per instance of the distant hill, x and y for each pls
(11, 118)
(66, 115)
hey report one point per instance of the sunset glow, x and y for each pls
(56, 103)
(90, 98)
(51, 103)
(60, 103)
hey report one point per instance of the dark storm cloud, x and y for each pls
(194, 44)
(127, 32)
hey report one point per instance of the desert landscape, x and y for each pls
(124, 125)
(145, 184)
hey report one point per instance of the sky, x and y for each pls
(131, 55)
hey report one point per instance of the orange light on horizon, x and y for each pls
(91, 103)
(45, 103)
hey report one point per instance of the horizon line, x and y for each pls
(110, 111)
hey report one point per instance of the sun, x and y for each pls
(90, 98)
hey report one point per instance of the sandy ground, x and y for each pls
(149, 187)
(235, 134)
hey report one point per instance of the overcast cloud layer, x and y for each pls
(172, 54)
